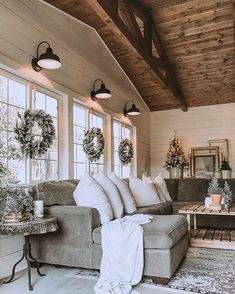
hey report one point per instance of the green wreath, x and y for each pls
(31, 147)
(93, 144)
(125, 151)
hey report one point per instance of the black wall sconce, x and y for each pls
(47, 60)
(133, 110)
(101, 93)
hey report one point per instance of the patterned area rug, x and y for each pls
(204, 270)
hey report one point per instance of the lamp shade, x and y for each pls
(102, 92)
(133, 110)
(49, 60)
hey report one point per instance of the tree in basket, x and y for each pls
(176, 161)
(215, 191)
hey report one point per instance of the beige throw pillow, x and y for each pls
(163, 187)
(112, 193)
(89, 193)
(145, 194)
(151, 180)
(124, 190)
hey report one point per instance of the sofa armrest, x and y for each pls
(72, 243)
(88, 214)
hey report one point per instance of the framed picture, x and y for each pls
(223, 145)
(204, 162)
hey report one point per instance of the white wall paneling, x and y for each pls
(195, 127)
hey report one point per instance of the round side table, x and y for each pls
(26, 228)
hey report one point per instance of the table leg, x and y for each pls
(195, 221)
(28, 257)
(189, 227)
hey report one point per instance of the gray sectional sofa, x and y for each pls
(78, 239)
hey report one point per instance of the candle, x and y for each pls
(38, 208)
(207, 202)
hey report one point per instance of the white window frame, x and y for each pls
(88, 125)
(133, 140)
(58, 98)
(29, 105)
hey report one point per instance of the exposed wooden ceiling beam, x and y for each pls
(131, 34)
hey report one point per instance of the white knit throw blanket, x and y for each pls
(123, 255)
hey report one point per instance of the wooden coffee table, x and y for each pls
(209, 237)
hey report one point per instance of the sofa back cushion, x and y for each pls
(172, 187)
(57, 192)
(192, 189)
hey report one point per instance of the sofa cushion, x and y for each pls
(161, 208)
(57, 192)
(162, 233)
(125, 192)
(145, 194)
(112, 192)
(172, 187)
(90, 194)
(192, 189)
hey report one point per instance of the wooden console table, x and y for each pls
(209, 237)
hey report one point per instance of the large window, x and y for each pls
(46, 167)
(84, 119)
(120, 132)
(15, 97)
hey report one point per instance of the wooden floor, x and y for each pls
(213, 238)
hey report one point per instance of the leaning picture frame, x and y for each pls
(204, 161)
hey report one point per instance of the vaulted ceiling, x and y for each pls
(177, 53)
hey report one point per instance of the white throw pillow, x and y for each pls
(151, 180)
(125, 192)
(145, 194)
(112, 193)
(89, 193)
(163, 187)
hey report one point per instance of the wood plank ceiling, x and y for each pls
(191, 61)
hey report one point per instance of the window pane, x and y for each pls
(17, 168)
(3, 89)
(79, 154)
(79, 116)
(116, 129)
(127, 133)
(52, 153)
(38, 170)
(13, 147)
(78, 134)
(116, 143)
(55, 123)
(126, 171)
(117, 170)
(13, 116)
(51, 106)
(3, 143)
(17, 94)
(3, 116)
(40, 101)
(52, 170)
(79, 169)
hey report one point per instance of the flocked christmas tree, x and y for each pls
(175, 155)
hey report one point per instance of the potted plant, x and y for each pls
(225, 169)
(176, 161)
(215, 191)
(16, 204)
(227, 194)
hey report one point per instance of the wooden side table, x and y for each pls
(27, 228)
(209, 237)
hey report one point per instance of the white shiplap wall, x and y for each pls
(25, 23)
(194, 127)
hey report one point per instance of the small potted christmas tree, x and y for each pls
(215, 192)
(176, 161)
